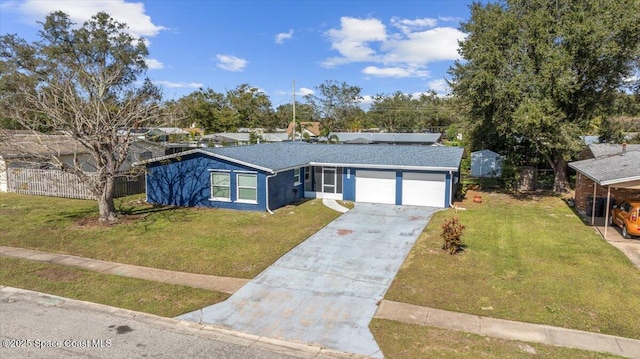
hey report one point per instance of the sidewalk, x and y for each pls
(209, 282)
(402, 312)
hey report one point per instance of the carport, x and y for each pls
(619, 175)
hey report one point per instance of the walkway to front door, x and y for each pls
(325, 291)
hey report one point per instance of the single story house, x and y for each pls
(386, 138)
(27, 149)
(603, 150)
(243, 138)
(486, 163)
(267, 176)
(312, 129)
(602, 181)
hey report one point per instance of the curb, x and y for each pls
(299, 350)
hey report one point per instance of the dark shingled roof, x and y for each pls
(274, 157)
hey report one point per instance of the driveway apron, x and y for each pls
(325, 291)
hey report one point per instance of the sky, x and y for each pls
(381, 46)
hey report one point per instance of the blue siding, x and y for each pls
(398, 188)
(185, 181)
(349, 184)
(283, 191)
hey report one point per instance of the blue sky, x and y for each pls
(380, 46)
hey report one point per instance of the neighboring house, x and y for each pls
(243, 138)
(486, 163)
(606, 178)
(26, 149)
(264, 177)
(142, 150)
(603, 150)
(386, 138)
(310, 129)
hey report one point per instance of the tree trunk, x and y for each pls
(106, 204)
(560, 175)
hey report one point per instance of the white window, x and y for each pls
(296, 176)
(220, 186)
(247, 188)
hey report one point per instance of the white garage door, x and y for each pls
(423, 189)
(376, 186)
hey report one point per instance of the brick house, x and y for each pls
(612, 174)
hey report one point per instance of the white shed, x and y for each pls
(486, 163)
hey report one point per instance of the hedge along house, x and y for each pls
(264, 177)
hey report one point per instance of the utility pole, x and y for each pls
(293, 119)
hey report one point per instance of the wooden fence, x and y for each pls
(55, 183)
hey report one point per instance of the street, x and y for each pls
(33, 325)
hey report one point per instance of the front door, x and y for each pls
(330, 183)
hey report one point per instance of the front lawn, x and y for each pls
(404, 341)
(130, 293)
(207, 241)
(528, 259)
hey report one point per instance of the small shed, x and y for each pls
(486, 163)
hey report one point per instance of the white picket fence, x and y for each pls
(55, 183)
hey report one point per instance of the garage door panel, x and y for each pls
(423, 189)
(376, 186)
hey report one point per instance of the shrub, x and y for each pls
(451, 233)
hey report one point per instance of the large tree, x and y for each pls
(82, 82)
(335, 105)
(253, 106)
(534, 72)
(207, 109)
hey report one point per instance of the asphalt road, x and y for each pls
(33, 325)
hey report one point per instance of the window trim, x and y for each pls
(297, 177)
(219, 199)
(238, 187)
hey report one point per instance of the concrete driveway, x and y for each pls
(325, 291)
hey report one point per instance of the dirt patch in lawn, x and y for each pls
(59, 274)
(94, 222)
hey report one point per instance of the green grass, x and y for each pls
(135, 294)
(404, 341)
(207, 241)
(528, 259)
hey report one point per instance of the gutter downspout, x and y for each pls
(267, 193)
(451, 194)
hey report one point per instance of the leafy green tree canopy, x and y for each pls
(534, 72)
(335, 104)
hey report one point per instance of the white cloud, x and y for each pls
(132, 14)
(231, 63)
(303, 91)
(440, 86)
(154, 64)
(281, 37)
(353, 38)
(408, 26)
(420, 48)
(170, 84)
(394, 72)
(403, 52)
(366, 101)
